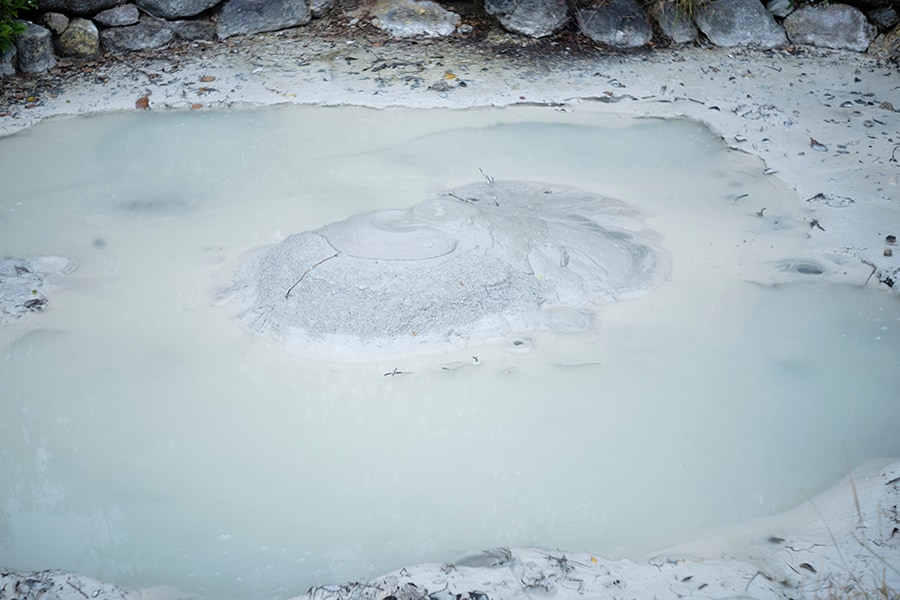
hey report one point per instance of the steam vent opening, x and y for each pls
(305, 346)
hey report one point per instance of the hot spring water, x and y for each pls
(146, 439)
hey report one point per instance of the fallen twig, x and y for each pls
(874, 268)
(77, 589)
(306, 272)
(461, 199)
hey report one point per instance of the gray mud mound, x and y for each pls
(22, 281)
(477, 263)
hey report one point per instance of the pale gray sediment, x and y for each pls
(477, 263)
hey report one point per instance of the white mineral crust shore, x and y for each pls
(824, 123)
(843, 543)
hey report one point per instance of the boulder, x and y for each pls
(739, 23)
(147, 33)
(8, 62)
(619, 23)
(837, 26)
(76, 7)
(675, 24)
(175, 9)
(870, 4)
(887, 46)
(194, 29)
(80, 40)
(55, 22)
(884, 18)
(780, 8)
(241, 17)
(534, 18)
(35, 49)
(414, 18)
(119, 16)
(320, 8)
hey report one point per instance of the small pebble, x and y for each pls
(888, 252)
(891, 239)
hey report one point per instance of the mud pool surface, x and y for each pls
(148, 440)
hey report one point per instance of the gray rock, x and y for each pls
(884, 18)
(619, 23)
(119, 16)
(240, 17)
(739, 23)
(320, 8)
(675, 24)
(534, 18)
(837, 26)
(23, 282)
(8, 62)
(80, 40)
(147, 33)
(194, 29)
(780, 8)
(887, 46)
(414, 18)
(76, 7)
(175, 9)
(55, 22)
(869, 4)
(35, 49)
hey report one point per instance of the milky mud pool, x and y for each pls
(149, 439)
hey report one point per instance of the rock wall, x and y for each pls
(82, 29)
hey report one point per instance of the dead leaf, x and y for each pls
(448, 75)
(196, 106)
(142, 103)
(207, 78)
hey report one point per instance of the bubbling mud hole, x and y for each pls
(482, 261)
